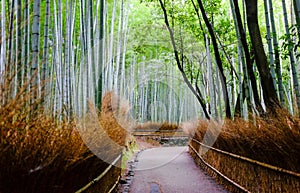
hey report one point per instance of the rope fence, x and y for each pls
(243, 174)
(101, 176)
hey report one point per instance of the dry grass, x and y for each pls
(41, 154)
(189, 127)
(37, 154)
(152, 126)
(251, 176)
(275, 141)
(113, 118)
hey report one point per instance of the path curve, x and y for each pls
(171, 170)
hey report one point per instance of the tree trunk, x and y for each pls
(218, 59)
(270, 46)
(19, 68)
(276, 53)
(196, 91)
(45, 51)
(212, 90)
(292, 58)
(3, 44)
(243, 91)
(269, 93)
(101, 55)
(248, 58)
(35, 48)
(296, 4)
(27, 44)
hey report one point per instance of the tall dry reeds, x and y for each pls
(275, 141)
(41, 154)
(38, 154)
(152, 126)
(113, 118)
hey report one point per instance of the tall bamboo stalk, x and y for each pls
(35, 49)
(292, 58)
(276, 52)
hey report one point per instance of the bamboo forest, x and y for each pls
(88, 85)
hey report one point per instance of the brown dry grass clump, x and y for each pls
(275, 141)
(41, 154)
(152, 126)
(113, 118)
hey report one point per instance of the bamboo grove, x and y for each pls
(64, 49)
(173, 60)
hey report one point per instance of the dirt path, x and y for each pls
(170, 170)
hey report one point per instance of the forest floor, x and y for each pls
(167, 170)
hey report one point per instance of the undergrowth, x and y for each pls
(39, 153)
(153, 126)
(275, 141)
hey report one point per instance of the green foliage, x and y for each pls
(288, 44)
(145, 22)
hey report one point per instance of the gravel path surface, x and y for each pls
(170, 170)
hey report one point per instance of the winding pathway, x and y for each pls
(171, 170)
